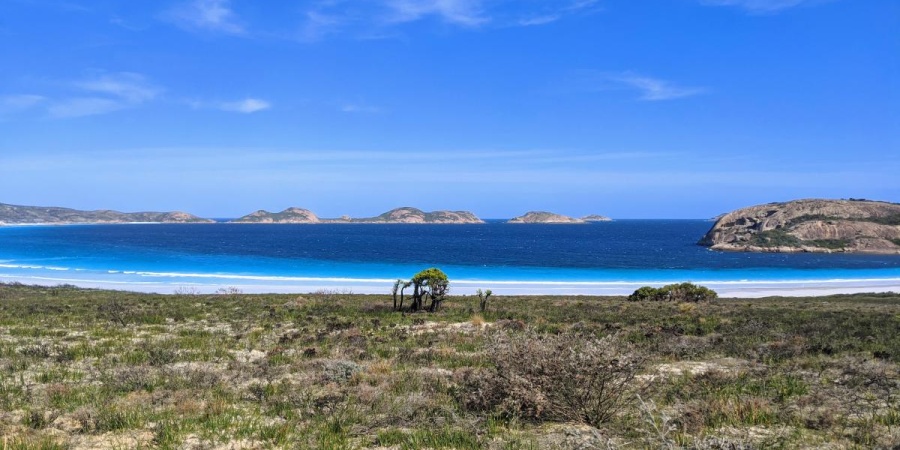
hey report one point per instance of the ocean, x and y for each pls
(599, 258)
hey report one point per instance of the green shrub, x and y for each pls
(683, 292)
(644, 294)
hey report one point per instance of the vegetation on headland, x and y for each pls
(101, 369)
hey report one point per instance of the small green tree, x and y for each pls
(483, 298)
(406, 284)
(431, 283)
(394, 291)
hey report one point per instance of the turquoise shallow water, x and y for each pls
(603, 258)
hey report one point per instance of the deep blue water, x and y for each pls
(231, 254)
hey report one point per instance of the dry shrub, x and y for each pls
(565, 377)
(339, 370)
(687, 347)
(788, 347)
(732, 411)
(510, 324)
(133, 378)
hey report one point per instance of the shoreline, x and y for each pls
(725, 289)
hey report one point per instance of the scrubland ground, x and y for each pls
(86, 369)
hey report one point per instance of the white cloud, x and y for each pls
(127, 86)
(539, 20)
(104, 94)
(318, 25)
(653, 89)
(459, 12)
(760, 6)
(360, 108)
(84, 106)
(19, 102)
(206, 15)
(245, 106)
(381, 18)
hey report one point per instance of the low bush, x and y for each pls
(683, 292)
(564, 377)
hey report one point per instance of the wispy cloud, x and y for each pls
(244, 106)
(319, 24)
(539, 20)
(760, 6)
(19, 102)
(110, 92)
(651, 89)
(468, 13)
(127, 86)
(360, 108)
(382, 18)
(104, 94)
(206, 15)
(84, 106)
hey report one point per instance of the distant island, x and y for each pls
(544, 217)
(811, 225)
(398, 215)
(290, 215)
(596, 218)
(27, 215)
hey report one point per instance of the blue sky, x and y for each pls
(665, 109)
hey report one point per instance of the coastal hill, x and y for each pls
(398, 215)
(544, 217)
(596, 218)
(290, 215)
(812, 225)
(23, 215)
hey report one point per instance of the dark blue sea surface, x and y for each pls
(623, 251)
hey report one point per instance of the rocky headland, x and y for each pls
(544, 217)
(812, 225)
(29, 215)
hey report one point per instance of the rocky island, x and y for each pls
(413, 215)
(596, 218)
(812, 225)
(29, 215)
(398, 215)
(290, 215)
(544, 217)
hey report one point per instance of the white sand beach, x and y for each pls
(725, 289)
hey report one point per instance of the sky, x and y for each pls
(662, 109)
